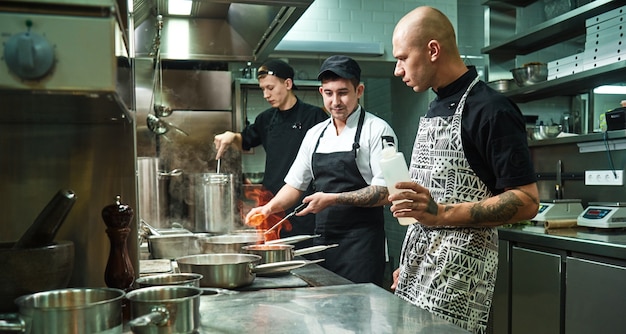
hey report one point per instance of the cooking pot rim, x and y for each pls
(150, 279)
(268, 247)
(232, 258)
(31, 301)
(189, 291)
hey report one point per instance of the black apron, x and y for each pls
(359, 231)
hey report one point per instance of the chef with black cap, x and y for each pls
(280, 129)
(340, 157)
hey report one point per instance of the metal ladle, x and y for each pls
(161, 127)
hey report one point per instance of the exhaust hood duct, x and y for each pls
(330, 47)
(243, 30)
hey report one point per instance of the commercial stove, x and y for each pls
(604, 215)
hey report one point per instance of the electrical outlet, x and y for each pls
(604, 178)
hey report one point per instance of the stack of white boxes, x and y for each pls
(565, 66)
(605, 44)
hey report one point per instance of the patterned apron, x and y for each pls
(448, 271)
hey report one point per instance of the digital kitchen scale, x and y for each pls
(558, 209)
(603, 215)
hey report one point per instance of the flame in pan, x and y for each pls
(260, 196)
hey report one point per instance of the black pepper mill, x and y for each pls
(119, 272)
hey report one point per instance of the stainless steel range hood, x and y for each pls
(224, 30)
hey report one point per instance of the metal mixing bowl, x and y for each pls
(530, 74)
(546, 131)
(502, 85)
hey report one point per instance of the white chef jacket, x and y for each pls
(368, 155)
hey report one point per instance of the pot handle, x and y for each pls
(11, 322)
(283, 266)
(313, 249)
(159, 316)
(219, 291)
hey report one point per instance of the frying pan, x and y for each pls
(281, 252)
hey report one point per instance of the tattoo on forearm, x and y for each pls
(432, 207)
(506, 207)
(366, 197)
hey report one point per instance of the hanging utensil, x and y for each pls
(161, 127)
(162, 110)
(296, 210)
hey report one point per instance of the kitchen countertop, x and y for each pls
(352, 308)
(326, 303)
(600, 242)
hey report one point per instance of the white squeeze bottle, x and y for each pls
(395, 170)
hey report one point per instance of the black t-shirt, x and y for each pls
(493, 133)
(281, 133)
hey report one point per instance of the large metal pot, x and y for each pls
(228, 243)
(165, 309)
(153, 191)
(214, 202)
(232, 270)
(279, 252)
(74, 310)
(31, 270)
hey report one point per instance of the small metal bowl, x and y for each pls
(502, 86)
(530, 74)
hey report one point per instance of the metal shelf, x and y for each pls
(514, 3)
(553, 31)
(572, 84)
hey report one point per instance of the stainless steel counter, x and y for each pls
(312, 299)
(600, 242)
(353, 308)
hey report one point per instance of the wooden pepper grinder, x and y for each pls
(119, 272)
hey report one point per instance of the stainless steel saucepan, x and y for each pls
(227, 243)
(181, 279)
(72, 310)
(165, 309)
(232, 270)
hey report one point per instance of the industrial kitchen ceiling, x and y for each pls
(222, 30)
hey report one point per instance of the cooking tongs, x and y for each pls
(296, 210)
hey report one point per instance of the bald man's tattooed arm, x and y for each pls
(370, 196)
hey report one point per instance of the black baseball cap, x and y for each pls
(277, 68)
(342, 66)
